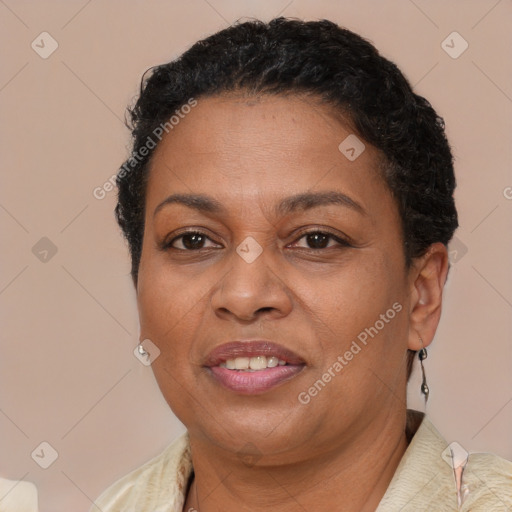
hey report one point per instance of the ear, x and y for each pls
(427, 280)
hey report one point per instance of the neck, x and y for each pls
(352, 479)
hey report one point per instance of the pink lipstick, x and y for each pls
(253, 367)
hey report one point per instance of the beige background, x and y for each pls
(69, 325)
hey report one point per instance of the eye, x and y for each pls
(189, 241)
(317, 240)
(196, 240)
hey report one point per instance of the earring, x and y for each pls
(422, 355)
(141, 350)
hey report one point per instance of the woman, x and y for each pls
(287, 205)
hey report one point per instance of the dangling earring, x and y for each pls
(422, 355)
(141, 350)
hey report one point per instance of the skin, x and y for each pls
(339, 451)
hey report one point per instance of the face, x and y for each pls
(291, 252)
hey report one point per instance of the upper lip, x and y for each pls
(251, 348)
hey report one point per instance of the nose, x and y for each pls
(249, 290)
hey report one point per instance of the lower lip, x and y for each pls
(253, 383)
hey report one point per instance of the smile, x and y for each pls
(253, 367)
(252, 364)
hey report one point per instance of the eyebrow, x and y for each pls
(298, 202)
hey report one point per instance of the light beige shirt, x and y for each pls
(17, 496)
(424, 481)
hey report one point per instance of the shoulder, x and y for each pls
(487, 483)
(425, 479)
(17, 495)
(160, 484)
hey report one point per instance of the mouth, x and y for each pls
(253, 367)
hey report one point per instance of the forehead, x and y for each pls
(268, 124)
(232, 147)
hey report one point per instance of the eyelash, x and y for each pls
(341, 242)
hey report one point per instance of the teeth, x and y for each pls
(258, 363)
(252, 363)
(272, 362)
(242, 363)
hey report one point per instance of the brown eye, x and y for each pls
(317, 240)
(191, 241)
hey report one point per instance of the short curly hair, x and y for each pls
(345, 71)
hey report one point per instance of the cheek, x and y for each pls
(354, 296)
(361, 312)
(170, 306)
(360, 319)
(170, 312)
